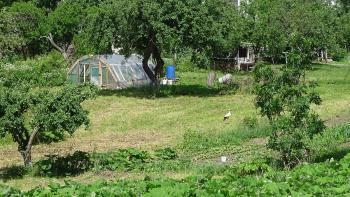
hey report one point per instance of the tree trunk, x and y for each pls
(153, 50)
(66, 50)
(145, 66)
(27, 153)
(27, 159)
(158, 71)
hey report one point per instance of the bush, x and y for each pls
(45, 71)
(124, 159)
(285, 98)
(70, 165)
(166, 154)
(338, 53)
(257, 167)
(186, 65)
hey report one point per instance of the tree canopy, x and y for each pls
(211, 28)
(28, 115)
(152, 28)
(270, 24)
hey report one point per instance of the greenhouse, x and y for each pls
(110, 71)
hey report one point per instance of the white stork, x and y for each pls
(228, 115)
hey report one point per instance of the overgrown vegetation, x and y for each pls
(123, 160)
(40, 38)
(328, 178)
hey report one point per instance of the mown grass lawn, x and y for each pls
(129, 118)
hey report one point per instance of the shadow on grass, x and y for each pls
(62, 166)
(325, 66)
(52, 166)
(171, 91)
(13, 172)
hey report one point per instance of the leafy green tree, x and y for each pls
(346, 29)
(345, 4)
(62, 25)
(49, 5)
(20, 29)
(266, 28)
(26, 114)
(151, 28)
(269, 24)
(10, 39)
(27, 19)
(4, 3)
(285, 98)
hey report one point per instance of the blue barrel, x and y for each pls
(170, 72)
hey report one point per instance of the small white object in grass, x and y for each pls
(228, 115)
(223, 159)
(226, 79)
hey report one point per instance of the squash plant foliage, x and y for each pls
(26, 113)
(285, 97)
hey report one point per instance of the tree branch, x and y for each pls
(159, 62)
(146, 56)
(51, 40)
(31, 139)
(145, 66)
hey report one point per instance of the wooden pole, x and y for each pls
(100, 73)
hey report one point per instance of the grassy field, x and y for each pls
(187, 117)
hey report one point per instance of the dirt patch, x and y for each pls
(258, 141)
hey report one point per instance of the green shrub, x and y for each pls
(166, 154)
(257, 167)
(285, 98)
(47, 71)
(338, 53)
(70, 165)
(6, 191)
(124, 159)
(186, 65)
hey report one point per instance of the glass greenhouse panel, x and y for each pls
(110, 71)
(94, 75)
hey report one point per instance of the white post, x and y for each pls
(248, 54)
(84, 72)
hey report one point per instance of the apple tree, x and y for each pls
(27, 113)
